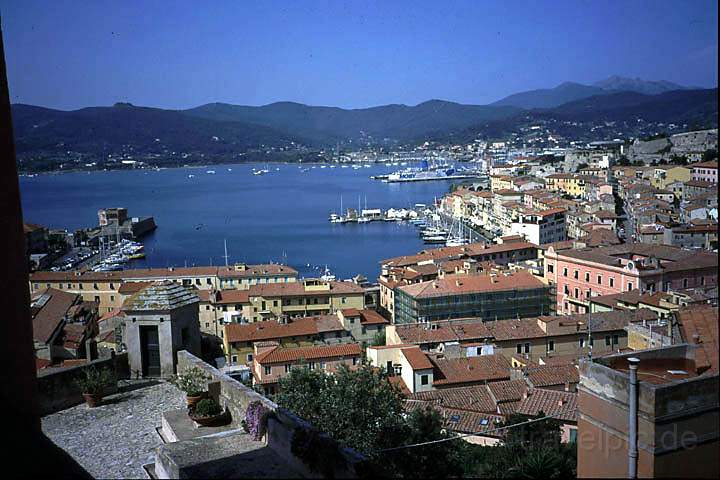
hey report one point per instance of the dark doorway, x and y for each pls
(150, 351)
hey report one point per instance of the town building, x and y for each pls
(580, 274)
(705, 171)
(160, 320)
(653, 413)
(486, 296)
(63, 326)
(271, 362)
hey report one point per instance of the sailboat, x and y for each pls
(335, 218)
(362, 218)
(457, 237)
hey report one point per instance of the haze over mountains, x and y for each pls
(570, 91)
(220, 128)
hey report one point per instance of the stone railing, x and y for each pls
(57, 389)
(281, 426)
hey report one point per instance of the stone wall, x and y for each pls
(56, 386)
(236, 397)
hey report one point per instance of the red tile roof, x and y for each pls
(47, 317)
(287, 355)
(552, 375)
(272, 329)
(508, 390)
(417, 359)
(476, 398)
(450, 371)
(467, 284)
(701, 321)
(550, 402)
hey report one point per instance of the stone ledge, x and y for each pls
(227, 455)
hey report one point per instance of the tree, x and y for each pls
(362, 410)
(709, 154)
(379, 339)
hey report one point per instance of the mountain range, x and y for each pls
(571, 91)
(222, 129)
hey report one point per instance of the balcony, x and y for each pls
(143, 430)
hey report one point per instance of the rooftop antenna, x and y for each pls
(226, 254)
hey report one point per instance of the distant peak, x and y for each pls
(123, 104)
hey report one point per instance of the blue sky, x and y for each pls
(71, 54)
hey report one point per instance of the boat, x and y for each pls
(435, 239)
(363, 220)
(211, 172)
(327, 276)
(191, 175)
(258, 172)
(136, 256)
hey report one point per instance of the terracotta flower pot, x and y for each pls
(212, 421)
(193, 400)
(92, 399)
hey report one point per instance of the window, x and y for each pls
(311, 365)
(599, 279)
(527, 348)
(582, 342)
(97, 299)
(208, 281)
(587, 276)
(268, 370)
(355, 360)
(630, 286)
(519, 348)
(423, 380)
(207, 324)
(263, 305)
(615, 339)
(344, 299)
(287, 368)
(550, 268)
(607, 340)
(112, 298)
(565, 272)
(685, 282)
(249, 357)
(234, 359)
(551, 345)
(611, 282)
(275, 303)
(576, 274)
(566, 289)
(207, 307)
(95, 286)
(323, 366)
(577, 292)
(197, 281)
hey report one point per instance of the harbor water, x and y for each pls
(279, 216)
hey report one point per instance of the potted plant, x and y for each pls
(93, 383)
(256, 419)
(192, 381)
(208, 413)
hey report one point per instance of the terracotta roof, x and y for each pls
(701, 320)
(469, 250)
(371, 317)
(508, 390)
(268, 269)
(350, 312)
(417, 359)
(233, 296)
(48, 310)
(286, 355)
(128, 288)
(476, 398)
(461, 421)
(552, 375)
(467, 284)
(550, 402)
(709, 164)
(159, 273)
(400, 383)
(271, 329)
(31, 227)
(449, 371)
(42, 363)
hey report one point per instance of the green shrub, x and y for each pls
(94, 380)
(192, 381)
(207, 407)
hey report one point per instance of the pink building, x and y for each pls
(705, 171)
(581, 274)
(272, 362)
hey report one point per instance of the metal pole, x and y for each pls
(632, 421)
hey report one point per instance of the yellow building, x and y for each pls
(567, 183)
(664, 175)
(501, 182)
(301, 299)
